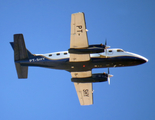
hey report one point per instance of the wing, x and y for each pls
(85, 93)
(78, 31)
(84, 90)
(78, 38)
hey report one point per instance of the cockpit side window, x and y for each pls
(120, 50)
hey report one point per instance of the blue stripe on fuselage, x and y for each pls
(66, 65)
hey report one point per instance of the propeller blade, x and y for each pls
(109, 80)
(106, 47)
(105, 42)
(109, 76)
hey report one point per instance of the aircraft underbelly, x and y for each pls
(85, 66)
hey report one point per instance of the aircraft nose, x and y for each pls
(142, 59)
(139, 59)
(146, 60)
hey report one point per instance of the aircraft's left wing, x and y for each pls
(84, 90)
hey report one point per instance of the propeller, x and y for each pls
(109, 76)
(106, 47)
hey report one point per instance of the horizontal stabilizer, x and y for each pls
(30, 55)
(20, 52)
(22, 71)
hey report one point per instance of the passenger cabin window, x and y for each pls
(50, 54)
(119, 50)
(65, 53)
(58, 53)
(110, 50)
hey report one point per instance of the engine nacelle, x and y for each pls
(98, 48)
(99, 77)
(97, 45)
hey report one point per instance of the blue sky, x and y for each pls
(50, 94)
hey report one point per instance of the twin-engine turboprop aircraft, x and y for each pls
(79, 60)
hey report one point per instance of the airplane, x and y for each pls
(79, 60)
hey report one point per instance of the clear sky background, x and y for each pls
(49, 94)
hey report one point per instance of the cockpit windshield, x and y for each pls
(120, 50)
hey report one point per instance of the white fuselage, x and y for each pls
(110, 53)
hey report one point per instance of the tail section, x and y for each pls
(30, 55)
(20, 53)
(22, 71)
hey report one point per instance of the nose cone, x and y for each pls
(138, 58)
(145, 59)
(142, 59)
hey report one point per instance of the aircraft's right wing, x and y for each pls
(78, 37)
(78, 31)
